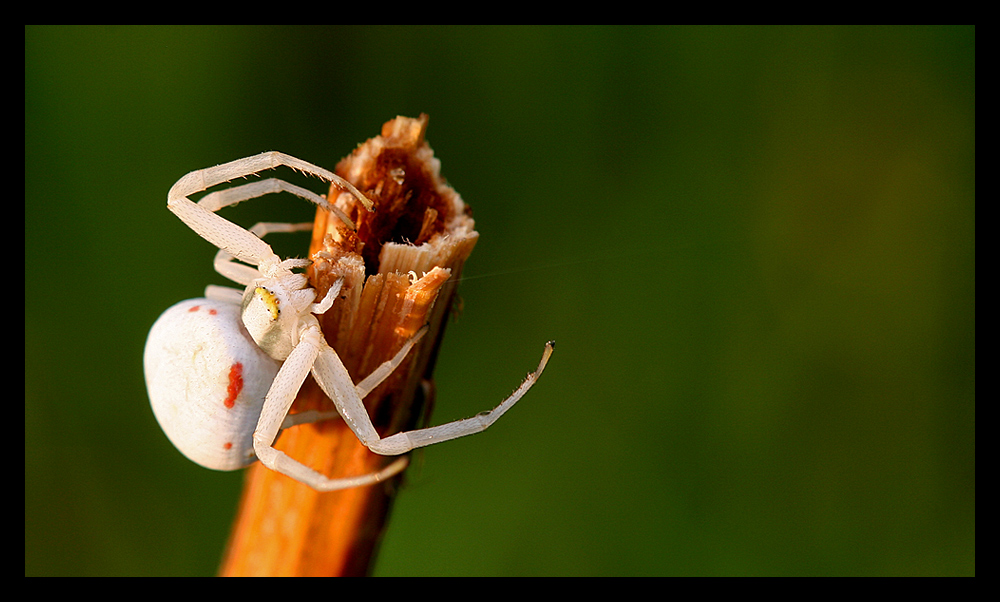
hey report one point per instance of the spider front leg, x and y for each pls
(222, 233)
(279, 400)
(334, 379)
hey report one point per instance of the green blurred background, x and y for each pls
(754, 246)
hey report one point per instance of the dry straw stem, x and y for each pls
(399, 270)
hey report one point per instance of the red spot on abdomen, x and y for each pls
(194, 308)
(235, 384)
(227, 446)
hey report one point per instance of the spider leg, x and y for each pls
(374, 379)
(203, 179)
(231, 196)
(333, 378)
(279, 399)
(404, 442)
(240, 243)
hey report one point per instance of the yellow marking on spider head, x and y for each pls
(270, 301)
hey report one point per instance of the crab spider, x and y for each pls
(253, 349)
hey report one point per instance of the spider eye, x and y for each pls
(270, 301)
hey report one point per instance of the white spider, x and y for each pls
(222, 372)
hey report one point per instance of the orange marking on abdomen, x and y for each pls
(235, 384)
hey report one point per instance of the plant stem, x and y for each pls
(392, 287)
